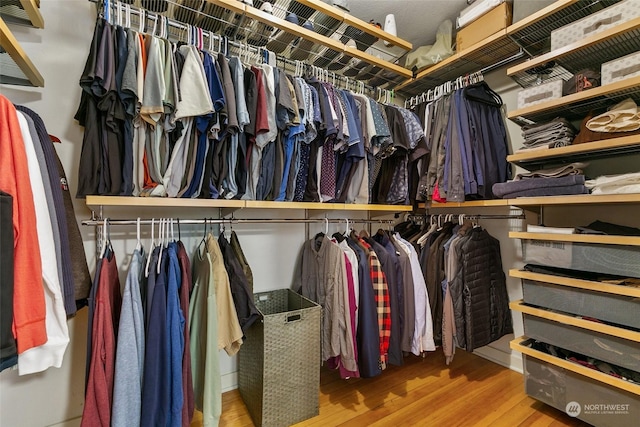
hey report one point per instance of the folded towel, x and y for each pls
(502, 188)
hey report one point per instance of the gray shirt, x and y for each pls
(129, 365)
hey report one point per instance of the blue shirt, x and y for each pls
(175, 342)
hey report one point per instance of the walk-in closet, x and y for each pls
(319, 213)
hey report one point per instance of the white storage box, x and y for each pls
(541, 93)
(621, 68)
(595, 23)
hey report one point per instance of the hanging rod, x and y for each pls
(99, 222)
(470, 217)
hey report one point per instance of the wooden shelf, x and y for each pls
(518, 344)
(580, 199)
(469, 204)
(575, 106)
(589, 52)
(590, 150)
(575, 321)
(492, 50)
(577, 283)
(298, 30)
(578, 238)
(15, 66)
(165, 202)
(24, 12)
(237, 204)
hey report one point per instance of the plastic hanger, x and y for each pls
(161, 238)
(138, 243)
(152, 247)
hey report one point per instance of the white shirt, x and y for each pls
(49, 354)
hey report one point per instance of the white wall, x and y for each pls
(59, 51)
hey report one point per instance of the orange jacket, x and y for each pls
(28, 293)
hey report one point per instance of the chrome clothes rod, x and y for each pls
(100, 222)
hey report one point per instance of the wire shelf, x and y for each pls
(535, 38)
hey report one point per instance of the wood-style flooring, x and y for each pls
(472, 391)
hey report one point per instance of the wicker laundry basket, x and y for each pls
(279, 362)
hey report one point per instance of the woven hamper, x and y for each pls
(279, 361)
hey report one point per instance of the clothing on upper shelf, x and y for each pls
(587, 135)
(562, 180)
(628, 183)
(467, 144)
(622, 117)
(531, 187)
(167, 120)
(555, 133)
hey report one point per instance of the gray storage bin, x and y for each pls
(618, 309)
(618, 351)
(591, 401)
(621, 260)
(279, 361)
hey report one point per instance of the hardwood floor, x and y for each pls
(424, 392)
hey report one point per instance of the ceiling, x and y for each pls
(416, 20)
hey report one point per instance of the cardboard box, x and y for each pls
(541, 93)
(487, 25)
(595, 23)
(621, 68)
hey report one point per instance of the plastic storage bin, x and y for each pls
(279, 361)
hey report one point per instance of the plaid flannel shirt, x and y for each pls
(381, 293)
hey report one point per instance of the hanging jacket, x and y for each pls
(485, 314)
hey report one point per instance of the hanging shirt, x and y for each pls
(203, 327)
(187, 380)
(129, 364)
(229, 330)
(156, 386)
(99, 393)
(175, 336)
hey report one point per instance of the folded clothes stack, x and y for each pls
(556, 133)
(564, 180)
(627, 183)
